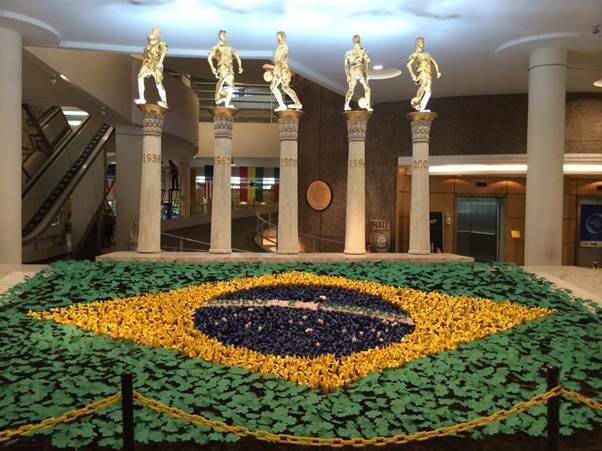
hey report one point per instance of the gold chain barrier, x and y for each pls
(336, 442)
(589, 402)
(243, 431)
(67, 417)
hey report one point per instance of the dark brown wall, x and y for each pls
(465, 126)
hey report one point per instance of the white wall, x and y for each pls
(109, 79)
(249, 140)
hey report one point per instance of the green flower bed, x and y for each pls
(48, 368)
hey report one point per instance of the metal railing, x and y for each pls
(267, 221)
(255, 101)
(183, 239)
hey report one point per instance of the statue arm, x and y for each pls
(368, 63)
(163, 53)
(410, 68)
(347, 67)
(239, 62)
(210, 57)
(436, 67)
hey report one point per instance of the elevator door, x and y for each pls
(478, 226)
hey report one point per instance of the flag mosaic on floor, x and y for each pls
(322, 331)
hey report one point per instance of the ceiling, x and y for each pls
(481, 45)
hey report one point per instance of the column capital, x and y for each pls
(152, 122)
(357, 123)
(288, 120)
(223, 118)
(421, 121)
(547, 56)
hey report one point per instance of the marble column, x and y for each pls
(288, 208)
(221, 202)
(10, 133)
(355, 213)
(545, 156)
(420, 233)
(149, 222)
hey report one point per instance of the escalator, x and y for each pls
(63, 196)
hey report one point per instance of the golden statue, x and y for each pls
(224, 54)
(279, 74)
(357, 68)
(152, 66)
(423, 75)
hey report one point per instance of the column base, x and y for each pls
(287, 251)
(354, 252)
(148, 251)
(416, 252)
(220, 251)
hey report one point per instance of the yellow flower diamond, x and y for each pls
(166, 320)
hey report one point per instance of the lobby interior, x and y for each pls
(507, 176)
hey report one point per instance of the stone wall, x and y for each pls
(465, 126)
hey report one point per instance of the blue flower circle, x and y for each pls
(304, 321)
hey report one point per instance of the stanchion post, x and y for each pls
(127, 411)
(553, 373)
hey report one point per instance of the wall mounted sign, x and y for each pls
(379, 235)
(590, 227)
(319, 195)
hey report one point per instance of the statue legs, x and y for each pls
(293, 95)
(219, 95)
(349, 95)
(274, 88)
(140, 99)
(423, 95)
(162, 95)
(367, 94)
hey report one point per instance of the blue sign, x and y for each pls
(590, 229)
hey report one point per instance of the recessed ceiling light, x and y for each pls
(378, 67)
(383, 74)
(598, 83)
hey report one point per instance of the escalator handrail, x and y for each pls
(57, 205)
(31, 182)
(48, 116)
(37, 124)
(76, 247)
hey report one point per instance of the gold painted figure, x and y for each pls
(423, 75)
(357, 68)
(279, 75)
(224, 54)
(152, 66)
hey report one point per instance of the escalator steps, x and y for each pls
(45, 207)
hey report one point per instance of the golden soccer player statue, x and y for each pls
(357, 68)
(279, 75)
(152, 66)
(423, 75)
(224, 54)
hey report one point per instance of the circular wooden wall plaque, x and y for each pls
(319, 195)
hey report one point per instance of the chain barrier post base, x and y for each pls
(127, 411)
(553, 374)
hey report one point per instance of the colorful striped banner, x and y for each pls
(251, 183)
(244, 184)
(259, 184)
(208, 182)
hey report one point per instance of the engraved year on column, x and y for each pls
(288, 162)
(421, 164)
(356, 163)
(225, 160)
(151, 158)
